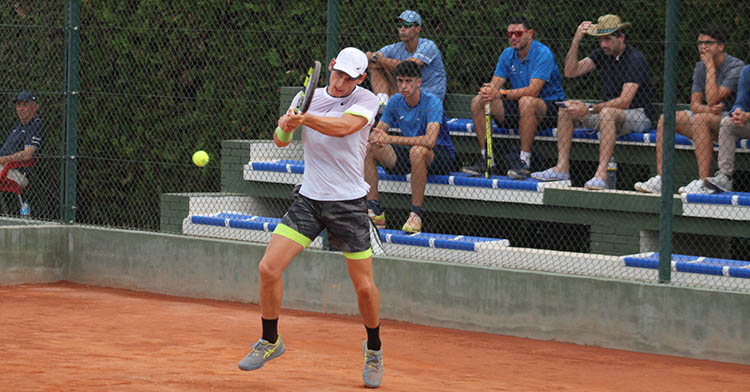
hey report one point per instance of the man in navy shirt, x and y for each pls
(535, 85)
(25, 139)
(423, 148)
(626, 97)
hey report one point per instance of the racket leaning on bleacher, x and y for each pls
(308, 90)
(488, 137)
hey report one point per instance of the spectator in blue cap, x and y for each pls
(420, 50)
(25, 138)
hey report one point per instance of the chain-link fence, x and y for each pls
(127, 94)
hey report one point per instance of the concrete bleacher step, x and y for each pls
(441, 247)
(693, 264)
(725, 205)
(456, 185)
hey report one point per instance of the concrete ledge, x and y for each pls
(626, 315)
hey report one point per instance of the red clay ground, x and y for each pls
(76, 338)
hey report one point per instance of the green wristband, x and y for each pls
(283, 137)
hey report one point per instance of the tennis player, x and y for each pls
(335, 130)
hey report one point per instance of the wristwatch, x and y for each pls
(503, 95)
(374, 58)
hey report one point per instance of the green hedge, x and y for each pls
(161, 79)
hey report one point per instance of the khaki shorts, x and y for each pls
(19, 178)
(635, 121)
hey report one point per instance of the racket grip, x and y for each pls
(488, 136)
(283, 137)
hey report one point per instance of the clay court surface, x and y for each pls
(67, 337)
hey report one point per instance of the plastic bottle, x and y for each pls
(25, 208)
(612, 174)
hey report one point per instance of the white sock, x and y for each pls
(484, 153)
(526, 157)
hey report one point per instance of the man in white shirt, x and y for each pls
(334, 136)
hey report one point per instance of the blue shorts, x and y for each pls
(513, 115)
(443, 163)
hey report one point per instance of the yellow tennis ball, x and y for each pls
(200, 158)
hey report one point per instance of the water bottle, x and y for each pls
(24, 208)
(612, 174)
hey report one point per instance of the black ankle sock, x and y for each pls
(417, 210)
(373, 338)
(270, 331)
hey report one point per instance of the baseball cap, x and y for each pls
(25, 96)
(411, 16)
(352, 61)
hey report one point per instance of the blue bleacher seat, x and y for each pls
(694, 264)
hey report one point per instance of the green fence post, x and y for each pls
(332, 34)
(72, 45)
(667, 186)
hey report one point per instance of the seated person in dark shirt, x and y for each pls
(626, 97)
(24, 140)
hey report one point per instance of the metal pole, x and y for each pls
(667, 186)
(72, 36)
(332, 33)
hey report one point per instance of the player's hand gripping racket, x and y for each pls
(488, 137)
(308, 90)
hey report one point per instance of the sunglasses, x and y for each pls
(518, 34)
(406, 24)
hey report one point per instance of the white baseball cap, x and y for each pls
(352, 61)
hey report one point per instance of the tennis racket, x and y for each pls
(488, 137)
(308, 89)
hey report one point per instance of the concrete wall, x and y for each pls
(632, 316)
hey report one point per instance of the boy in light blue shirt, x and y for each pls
(423, 148)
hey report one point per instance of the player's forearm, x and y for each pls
(18, 156)
(335, 126)
(528, 91)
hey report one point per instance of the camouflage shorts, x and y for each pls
(347, 222)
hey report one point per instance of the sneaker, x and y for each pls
(652, 185)
(720, 182)
(595, 184)
(518, 169)
(262, 352)
(696, 186)
(372, 374)
(477, 169)
(378, 220)
(550, 175)
(413, 224)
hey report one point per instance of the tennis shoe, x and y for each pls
(262, 352)
(413, 224)
(377, 220)
(550, 175)
(719, 182)
(519, 169)
(652, 185)
(595, 184)
(696, 186)
(477, 169)
(372, 374)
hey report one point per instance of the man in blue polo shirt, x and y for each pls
(420, 50)
(423, 148)
(535, 85)
(25, 139)
(626, 97)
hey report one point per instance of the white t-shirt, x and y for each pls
(334, 166)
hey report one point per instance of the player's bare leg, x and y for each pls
(368, 301)
(279, 253)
